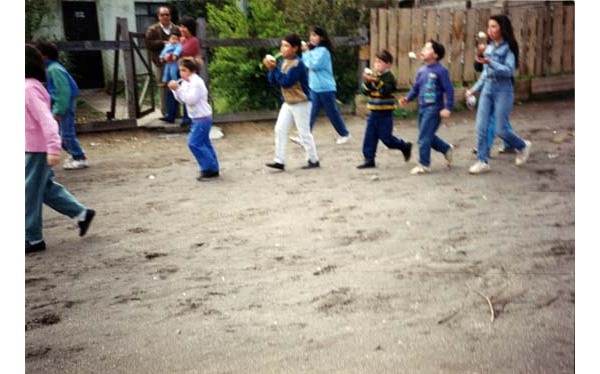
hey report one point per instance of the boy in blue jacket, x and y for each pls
(432, 83)
(63, 93)
(292, 79)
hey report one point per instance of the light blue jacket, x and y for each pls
(320, 72)
(498, 74)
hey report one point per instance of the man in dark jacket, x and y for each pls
(156, 37)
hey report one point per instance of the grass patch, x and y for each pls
(86, 113)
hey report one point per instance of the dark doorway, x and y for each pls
(81, 23)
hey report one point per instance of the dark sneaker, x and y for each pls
(312, 165)
(275, 165)
(366, 165)
(167, 119)
(449, 155)
(210, 174)
(37, 247)
(407, 151)
(85, 224)
(207, 174)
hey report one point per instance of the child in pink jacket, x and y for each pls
(42, 152)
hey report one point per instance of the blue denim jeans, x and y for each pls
(40, 189)
(172, 106)
(380, 125)
(328, 102)
(185, 119)
(170, 72)
(492, 132)
(66, 126)
(200, 146)
(429, 122)
(498, 103)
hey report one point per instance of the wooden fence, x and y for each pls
(545, 32)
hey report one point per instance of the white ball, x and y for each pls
(270, 57)
(368, 71)
(471, 101)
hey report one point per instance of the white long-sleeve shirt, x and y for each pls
(194, 94)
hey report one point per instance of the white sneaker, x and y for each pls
(296, 139)
(419, 169)
(71, 164)
(343, 139)
(523, 155)
(449, 155)
(479, 167)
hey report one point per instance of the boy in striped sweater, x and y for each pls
(379, 85)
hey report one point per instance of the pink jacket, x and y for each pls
(41, 130)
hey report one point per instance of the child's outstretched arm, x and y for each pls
(414, 92)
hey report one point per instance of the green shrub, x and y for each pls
(237, 81)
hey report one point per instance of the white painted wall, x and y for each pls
(108, 11)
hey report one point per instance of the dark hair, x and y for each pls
(48, 49)
(385, 56)
(161, 7)
(294, 41)
(189, 24)
(438, 48)
(508, 34)
(325, 41)
(34, 64)
(190, 63)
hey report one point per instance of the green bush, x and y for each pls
(237, 81)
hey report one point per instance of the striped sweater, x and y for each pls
(380, 93)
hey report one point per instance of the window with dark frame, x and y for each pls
(145, 15)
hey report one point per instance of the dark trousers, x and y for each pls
(380, 125)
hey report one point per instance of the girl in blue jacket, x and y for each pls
(317, 58)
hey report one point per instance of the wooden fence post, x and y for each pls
(201, 33)
(129, 71)
(363, 56)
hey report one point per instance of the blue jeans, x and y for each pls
(327, 100)
(499, 104)
(429, 122)
(185, 119)
(171, 72)
(40, 189)
(492, 132)
(172, 105)
(200, 146)
(66, 126)
(380, 125)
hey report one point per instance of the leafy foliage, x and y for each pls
(35, 12)
(237, 82)
(236, 77)
(194, 8)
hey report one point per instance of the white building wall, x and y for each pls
(108, 10)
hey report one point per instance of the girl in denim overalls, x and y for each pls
(497, 93)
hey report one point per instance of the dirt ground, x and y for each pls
(333, 270)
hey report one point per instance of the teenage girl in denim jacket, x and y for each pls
(497, 93)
